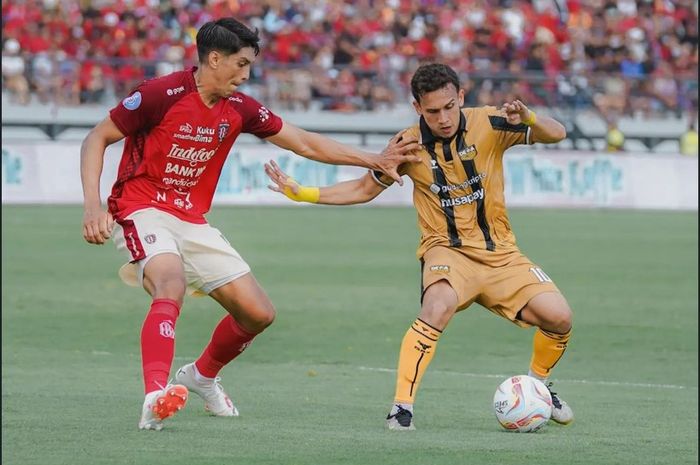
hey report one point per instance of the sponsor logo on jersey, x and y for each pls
(175, 90)
(433, 164)
(184, 171)
(264, 114)
(235, 99)
(186, 204)
(178, 182)
(469, 153)
(133, 101)
(186, 128)
(463, 200)
(190, 155)
(436, 189)
(205, 131)
(193, 137)
(150, 238)
(223, 130)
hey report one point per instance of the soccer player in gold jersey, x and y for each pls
(467, 251)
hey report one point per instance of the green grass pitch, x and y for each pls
(315, 387)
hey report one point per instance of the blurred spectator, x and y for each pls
(172, 61)
(92, 81)
(615, 138)
(13, 69)
(632, 57)
(689, 140)
(44, 76)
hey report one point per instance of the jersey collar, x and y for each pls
(427, 136)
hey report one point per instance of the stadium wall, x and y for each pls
(49, 172)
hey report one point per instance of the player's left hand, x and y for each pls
(399, 151)
(282, 182)
(516, 112)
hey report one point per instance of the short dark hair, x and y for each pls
(226, 35)
(431, 77)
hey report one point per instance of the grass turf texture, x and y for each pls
(315, 387)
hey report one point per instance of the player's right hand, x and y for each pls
(398, 151)
(97, 225)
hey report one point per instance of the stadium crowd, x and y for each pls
(634, 57)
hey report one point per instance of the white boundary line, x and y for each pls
(488, 376)
(576, 381)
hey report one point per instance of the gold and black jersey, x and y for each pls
(458, 186)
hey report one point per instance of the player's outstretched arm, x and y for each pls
(97, 223)
(320, 148)
(360, 190)
(544, 129)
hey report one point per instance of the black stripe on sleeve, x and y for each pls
(499, 123)
(470, 169)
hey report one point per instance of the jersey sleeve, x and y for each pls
(143, 109)
(507, 134)
(257, 119)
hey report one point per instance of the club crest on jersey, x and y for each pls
(133, 101)
(223, 130)
(469, 153)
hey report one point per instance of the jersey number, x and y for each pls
(541, 275)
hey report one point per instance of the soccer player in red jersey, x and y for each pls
(179, 130)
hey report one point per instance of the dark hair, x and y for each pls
(431, 77)
(226, 35)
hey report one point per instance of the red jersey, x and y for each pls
(176, 146)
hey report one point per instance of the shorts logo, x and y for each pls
(150, 238)
(133, 101)
(223, 130)
(469, 153)
(167, 329)
(440, 268)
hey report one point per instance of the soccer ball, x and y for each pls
(522, 404)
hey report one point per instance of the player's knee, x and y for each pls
(437, 312)
(262, 317)
(562, 320)
(173, 288)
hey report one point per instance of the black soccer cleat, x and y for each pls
(400, 420)
(561, 412)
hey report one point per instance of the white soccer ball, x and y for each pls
(522, 404)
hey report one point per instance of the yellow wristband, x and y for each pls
(532, 119)
(305, 194)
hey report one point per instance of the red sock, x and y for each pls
(158, 343)
(227, 342)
